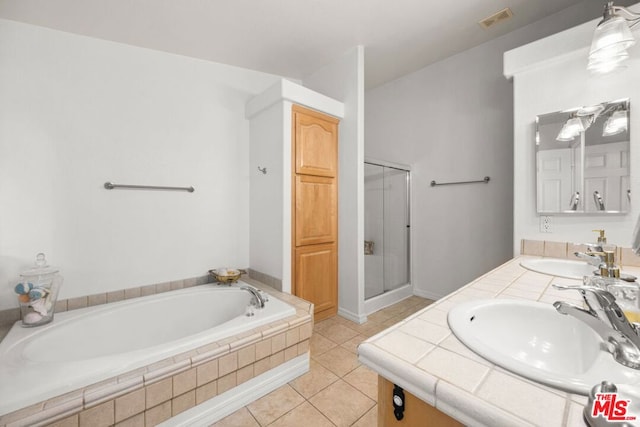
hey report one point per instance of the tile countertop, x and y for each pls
(422, 355)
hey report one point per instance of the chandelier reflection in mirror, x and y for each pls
(615, 114)
(583, 160)
(612, 38)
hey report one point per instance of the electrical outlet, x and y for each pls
(545, 224)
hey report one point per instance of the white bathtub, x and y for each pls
(82, 347)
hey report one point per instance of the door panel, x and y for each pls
(315, 214)
(316, 145)
(316, 277)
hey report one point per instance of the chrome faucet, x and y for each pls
(259, 298)
(594, 254)
(606, 318)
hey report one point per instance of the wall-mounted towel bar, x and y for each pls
(481, 181)
(111, 186)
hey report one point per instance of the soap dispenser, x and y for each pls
(602, 239)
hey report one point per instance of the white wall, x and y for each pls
(76, 112)
(557, 79)
(452, 121)
(344, 80)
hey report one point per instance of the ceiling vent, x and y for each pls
(492, 20)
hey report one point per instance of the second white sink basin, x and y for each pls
(559, 267)
(533, 340)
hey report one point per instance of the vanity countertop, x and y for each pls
(421, 355)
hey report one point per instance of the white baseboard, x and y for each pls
(349, 315)
(386, 299)
(427, 294)
(230, 401)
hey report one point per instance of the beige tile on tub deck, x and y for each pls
(158, 414)
(159, 392)
(184, 382)
(135, 421)
(183, 402)
(130, 404)
(98, 416)
(206, 392)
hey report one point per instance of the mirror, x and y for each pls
(582, 160)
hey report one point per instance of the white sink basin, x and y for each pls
(533, 340)
(559, 267)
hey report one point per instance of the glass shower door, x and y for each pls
(386, 229)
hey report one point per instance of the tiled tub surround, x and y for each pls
(422, 355)
(154, 393)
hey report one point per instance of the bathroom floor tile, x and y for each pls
(317, 379)
(303, 415)
(275, 404)
(342, 403)
(339, 361)
(370, 419)
(337, 390)
(353, 343)
(365, 380)
(323, 325)
(320, 344)
(338, 333)
(240, 418)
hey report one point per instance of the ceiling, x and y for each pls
(290, 38)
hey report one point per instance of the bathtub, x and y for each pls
(86, 346)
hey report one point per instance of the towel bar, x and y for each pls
(485, 180)
(111, 186)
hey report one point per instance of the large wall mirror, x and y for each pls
(582, 160)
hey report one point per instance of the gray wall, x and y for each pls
(453, 121)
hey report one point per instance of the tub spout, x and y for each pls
(258, 298)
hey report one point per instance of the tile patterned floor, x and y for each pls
(337, 391)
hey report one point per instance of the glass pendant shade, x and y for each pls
(611, 40)
(570, 129)
(614, 33)
(615, 124)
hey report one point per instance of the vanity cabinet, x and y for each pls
(315, 209)
(417, 413)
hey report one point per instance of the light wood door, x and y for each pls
(316, 143)
(316, 277)
(315, 210)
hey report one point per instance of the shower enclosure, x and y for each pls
(386, 228)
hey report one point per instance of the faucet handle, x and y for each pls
(603, 297)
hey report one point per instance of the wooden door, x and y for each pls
(315, 210)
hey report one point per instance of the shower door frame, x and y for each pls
(406, 289)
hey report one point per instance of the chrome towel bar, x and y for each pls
(111, 186)
(485, 180)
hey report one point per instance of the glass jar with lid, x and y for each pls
(37, 291)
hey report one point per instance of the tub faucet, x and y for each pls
(259, 299)
(606, 318)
